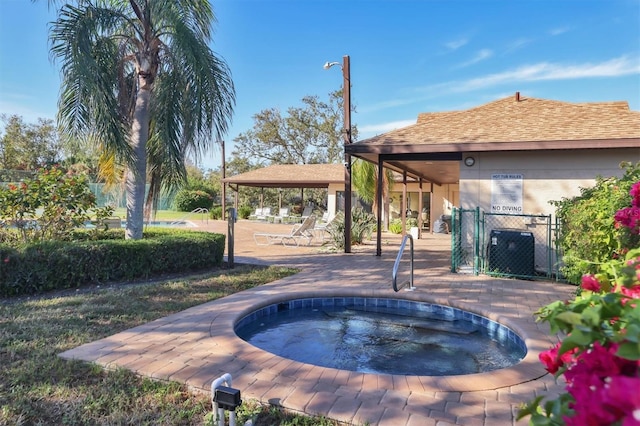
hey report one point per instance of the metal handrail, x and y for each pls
(394, 274)
(201, 210)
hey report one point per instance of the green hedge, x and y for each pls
(55, 265)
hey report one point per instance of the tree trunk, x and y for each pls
(136, 178)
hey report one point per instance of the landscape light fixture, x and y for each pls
(346, 97)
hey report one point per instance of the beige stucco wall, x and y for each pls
(331, 198)
(547, 175)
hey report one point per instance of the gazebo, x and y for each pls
(329, 176)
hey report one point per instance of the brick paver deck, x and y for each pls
(198, 345)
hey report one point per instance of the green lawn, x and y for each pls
(38, 387)
(165, 215)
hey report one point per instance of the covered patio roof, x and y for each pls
(432, 148)
(291, 176)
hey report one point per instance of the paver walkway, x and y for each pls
(198, 345)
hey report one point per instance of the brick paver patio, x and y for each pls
(198, 345)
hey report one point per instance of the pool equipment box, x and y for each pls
(511, 252)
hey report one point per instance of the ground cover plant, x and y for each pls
(38, 387)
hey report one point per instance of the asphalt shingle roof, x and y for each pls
(519, 119)
(291, 176)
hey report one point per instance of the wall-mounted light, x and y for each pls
(469, 161)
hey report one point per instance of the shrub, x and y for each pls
(52, 265)
(48, 206)
(362, 225)
(244, 212)
(188, 200)
(395, 226)
(216, 213)
(588, 233)
(599, 354)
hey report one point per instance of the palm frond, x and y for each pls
(88, 107)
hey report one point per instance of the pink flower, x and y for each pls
(597, 361)
(588, 403)
(632, 292)
(552, 361)
(635, 194)
(629, 217)
(590, 282)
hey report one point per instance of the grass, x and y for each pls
(39, 388)
(166, 215)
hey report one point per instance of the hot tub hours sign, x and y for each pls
(506, 193)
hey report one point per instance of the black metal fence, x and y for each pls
(507, 245)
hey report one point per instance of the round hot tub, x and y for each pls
(382, 335)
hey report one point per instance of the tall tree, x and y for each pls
(140, 81)
(307, 134)
(28, 146)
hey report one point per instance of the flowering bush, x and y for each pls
(599, 354)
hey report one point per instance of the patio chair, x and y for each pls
(308, 210)
(261, 213)
(280, 217)
(299, 232)
(320, 230)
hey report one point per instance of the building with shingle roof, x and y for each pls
(329, 176)
(512, 155)
(557, 146)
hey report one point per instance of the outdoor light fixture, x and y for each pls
(224, 398)
(227, 398)
(469, 161)
(346, 97)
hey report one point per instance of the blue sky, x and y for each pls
(407, 56)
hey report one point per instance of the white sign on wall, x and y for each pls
(506, 193)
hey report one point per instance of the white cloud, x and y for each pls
(558, 31)
(544, 71)
(479, 57)
(369, 130)
(517, 44)
(456, 44)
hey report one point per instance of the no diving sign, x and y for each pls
(506, 193)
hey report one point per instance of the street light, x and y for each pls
(346, 97)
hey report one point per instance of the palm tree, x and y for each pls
(365, 181)
(139, 80)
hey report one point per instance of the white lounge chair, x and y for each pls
(261, 213)
(320, 229)
(299, 233)
(283, 214)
